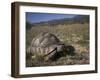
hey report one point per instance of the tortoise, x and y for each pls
(49, 46)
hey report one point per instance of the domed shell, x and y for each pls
(43, 44)
(45, 40)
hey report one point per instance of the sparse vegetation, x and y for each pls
(76, 34)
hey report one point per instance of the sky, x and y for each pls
(40, 17)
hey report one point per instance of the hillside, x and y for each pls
(76, 19)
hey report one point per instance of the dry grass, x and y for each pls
(76, 35)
